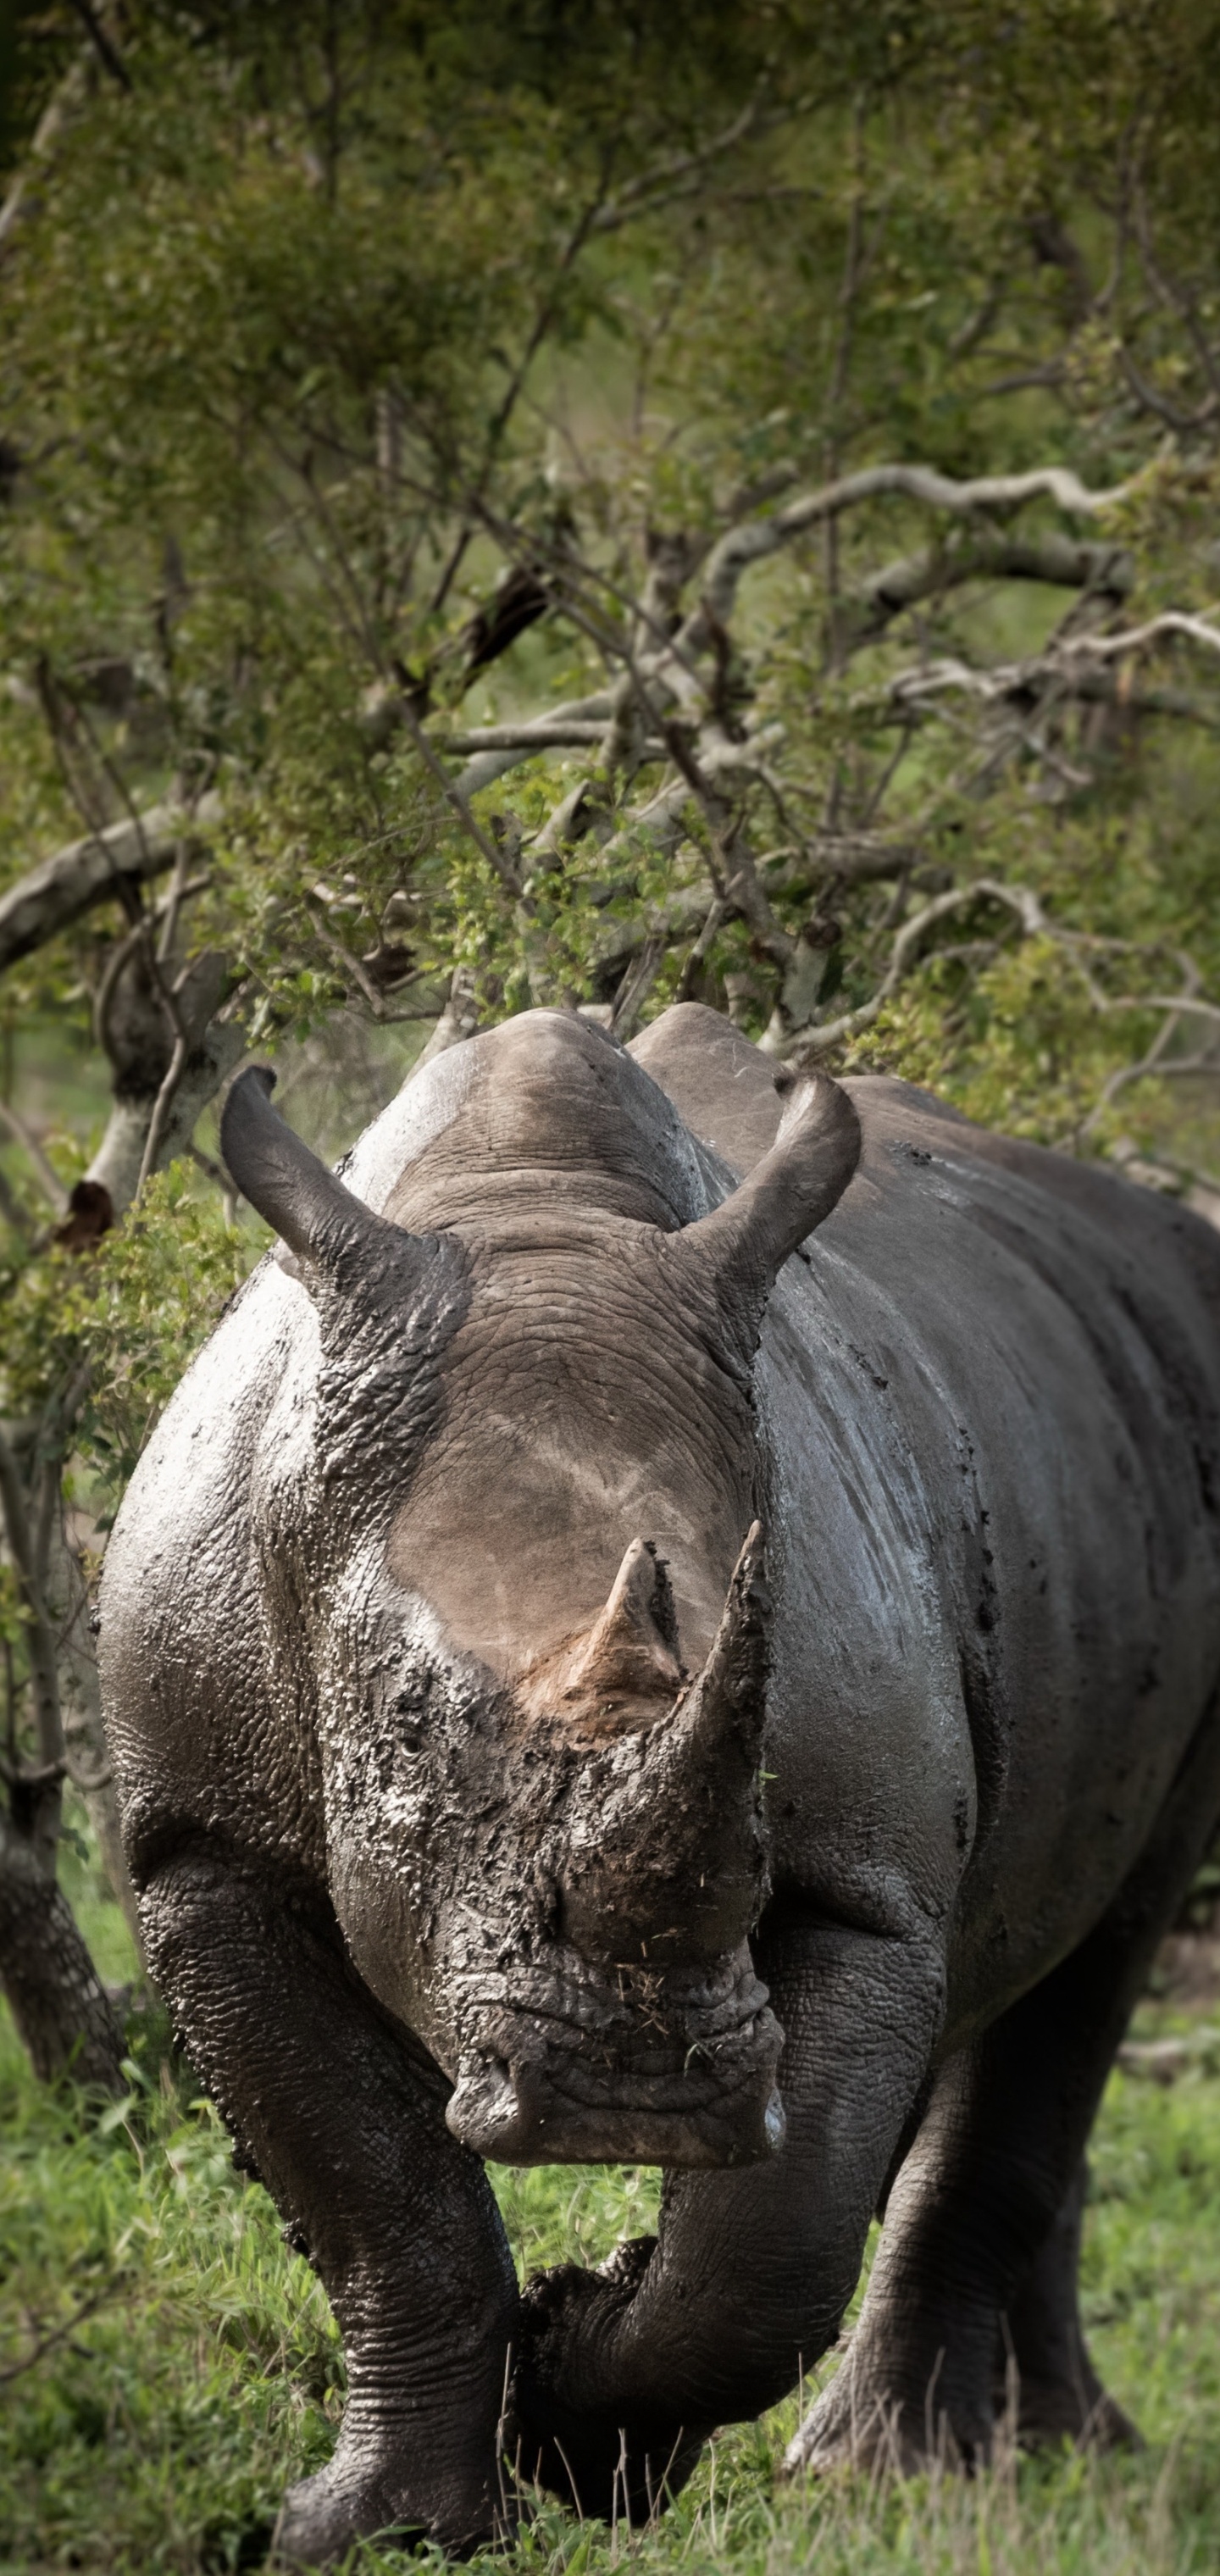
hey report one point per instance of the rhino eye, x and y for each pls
(410, 1707)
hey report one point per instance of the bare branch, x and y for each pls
(1017, 899)
(759, 538)
(40, 1639)
(454, 794)
(92, 871)
(674, 178)
(866, 611)
(1172, 621)
(44, 2343)
(1150, 399)
(352, 965)
(1191, 1005)
(541, 733)
(103, 45)
(54, 117)
(699, 948)
(458, 1020)
(1073, 668)
(543, 318)
(1150, 1062)
(60, 2008)
(636, 985)
(170, 1086)
(490, 762)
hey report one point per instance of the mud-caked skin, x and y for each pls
(677, 1623)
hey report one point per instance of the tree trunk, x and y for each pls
(80, 1701)
(62, 2012)
(60, 2008)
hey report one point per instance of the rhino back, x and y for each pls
(991, 1384)
(1009, 1451)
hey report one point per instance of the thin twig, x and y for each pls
(1017, 899)
(46, 2343)
(51, 1183)
(453, 796)
(102, 44)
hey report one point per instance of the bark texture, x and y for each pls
(92, 871)
(62, 2012)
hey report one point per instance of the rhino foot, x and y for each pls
(322, 2517)
(861, 2422)
(1051, 2412)
(573, 2428)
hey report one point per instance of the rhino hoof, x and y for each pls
(321, 2518)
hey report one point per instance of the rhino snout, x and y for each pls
(508, 2118)
(676, 2073)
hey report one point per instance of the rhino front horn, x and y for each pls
(672, 1835)
(726, 1710)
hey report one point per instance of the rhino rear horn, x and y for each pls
(743, 1245)
(634, 1641)
(328, 1230)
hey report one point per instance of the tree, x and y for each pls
(595, 508)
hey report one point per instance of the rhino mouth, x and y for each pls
(655, 2067)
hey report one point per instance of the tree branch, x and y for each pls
(49, 1179)
(454, 794)
(103, 46)
(92, 871)
(40, 1647)
(865, 612)
(752, 543)
(1017, 899)
(673, 178)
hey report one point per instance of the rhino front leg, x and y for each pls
(343, 2119)
(623, 2373)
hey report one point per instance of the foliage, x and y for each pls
(380, 383)
(118, 1326)
(311, 342)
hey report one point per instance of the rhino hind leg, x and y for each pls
(1046, 2382)
(971, 2298)
(979, 2251)
(342, 2117)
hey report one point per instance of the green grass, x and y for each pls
(189, 2366)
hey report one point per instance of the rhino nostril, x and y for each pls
(484, 2105)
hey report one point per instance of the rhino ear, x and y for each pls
(743, 1245)
(332, 1234)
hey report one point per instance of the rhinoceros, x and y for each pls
(679, 1623)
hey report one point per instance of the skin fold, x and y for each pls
(681, 1622)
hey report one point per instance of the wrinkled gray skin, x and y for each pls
(438, 1651)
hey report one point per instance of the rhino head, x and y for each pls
(540, 1741)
